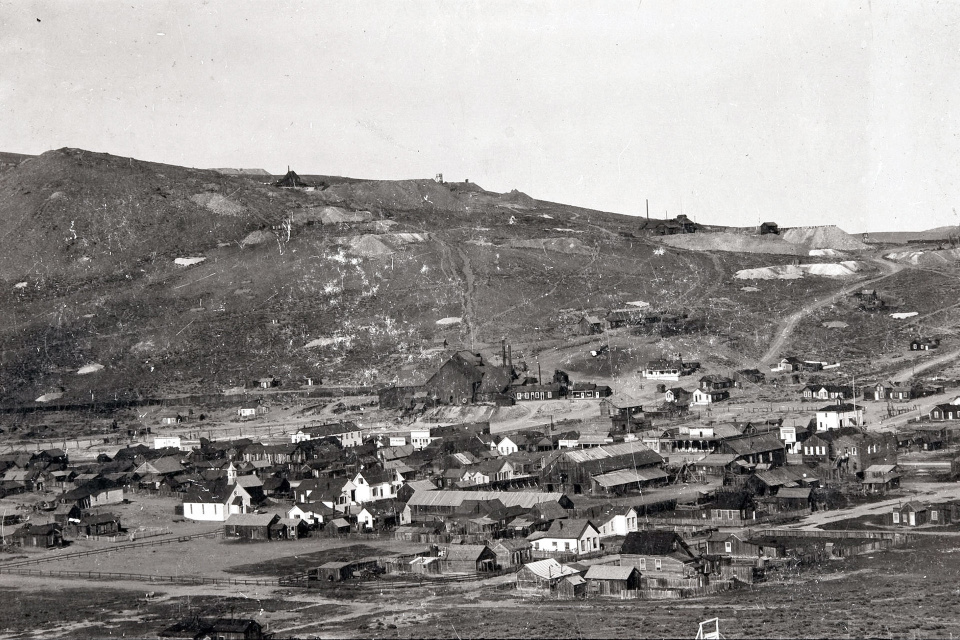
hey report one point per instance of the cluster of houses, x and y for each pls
(75, 513)
(466, 378)
(538, 502)
(597, 323)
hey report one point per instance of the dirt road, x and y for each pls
(790, 323)
(920, 367)
(926, 491)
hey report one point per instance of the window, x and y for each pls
(554, 544)
(566, 546)
(728, 547)
(643, 564)
(659, 564)
(934, 516)
(729, 517)
(896, 517)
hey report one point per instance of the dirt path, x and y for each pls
(930, 492)
(468, 295)
(914, 369)
(790, 323)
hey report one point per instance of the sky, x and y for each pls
(733, 113)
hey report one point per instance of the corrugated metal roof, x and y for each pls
(628, 476)
(440, 498)
(550, 569)
(608, 451)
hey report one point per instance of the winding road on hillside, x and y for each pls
(790, 323)
(920, 367)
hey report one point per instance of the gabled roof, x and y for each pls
(569, 528)
(716, 379)
(640, 453)
(844, 407)
(717, 459)
(881, 468)
(655, 543)
(465, 552)
(746, 445)
(623, 400)
(628, 476)
(378, 476)
(609, 572)
(249, 481)
(779, 476)
(290, 179)
(252, 519)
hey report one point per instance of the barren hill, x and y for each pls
(183, 280)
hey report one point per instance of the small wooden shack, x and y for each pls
(468, 558)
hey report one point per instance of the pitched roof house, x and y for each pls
(576, 536)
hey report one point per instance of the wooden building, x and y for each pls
(468, 558)
(250, 526)
(610, 580)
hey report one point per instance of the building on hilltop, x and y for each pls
(291, 181)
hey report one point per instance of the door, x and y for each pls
(913, 519)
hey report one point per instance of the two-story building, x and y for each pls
(837, 416)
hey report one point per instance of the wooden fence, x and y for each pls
(395, 582)
(6, 567)
(657, 521)
(130, 536)
(566, 556)
(896, 537)
(139, 577)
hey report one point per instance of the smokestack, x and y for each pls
(509, 356)
(648, 208)
(503, 352)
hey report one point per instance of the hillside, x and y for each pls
(176, 280)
